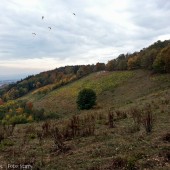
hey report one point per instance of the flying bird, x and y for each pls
(49, 28)
(42, 17)
(34, 33)
(74, 14)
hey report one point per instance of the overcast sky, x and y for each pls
(100, 31)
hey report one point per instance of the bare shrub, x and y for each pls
(88, 125)
(58, 139)
(148, 119)
(46, 128)
(121, 114)
(100, 116)
(40, 136)
(9, 129)
(136, 115)
(40, 139)
(66, 132)
(2, 136)
(111, 119)
(71, 128)
(77, 126)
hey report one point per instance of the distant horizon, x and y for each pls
(6, 78)
(15, 77)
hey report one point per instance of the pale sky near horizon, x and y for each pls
(100, 31)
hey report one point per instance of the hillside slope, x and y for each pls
(114, 89)
(63, 100)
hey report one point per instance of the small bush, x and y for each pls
(19, 119)
(86, 99)
(38, 115)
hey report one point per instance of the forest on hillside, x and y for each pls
(156, 58)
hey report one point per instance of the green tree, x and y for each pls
(159, 65)
(122, 65)
(111, 65)
(133, 63)
(99, 67)
(147, 58)
(84, 70)
(162, 61)
(86, 99)
(166, 58)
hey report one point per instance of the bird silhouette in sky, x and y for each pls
(48, 27)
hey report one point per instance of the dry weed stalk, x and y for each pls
(58, 141)
(148, 119)
(111, 119)
(9, 129)
(46, 128)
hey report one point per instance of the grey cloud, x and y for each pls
(74, 37)
(153, 14)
